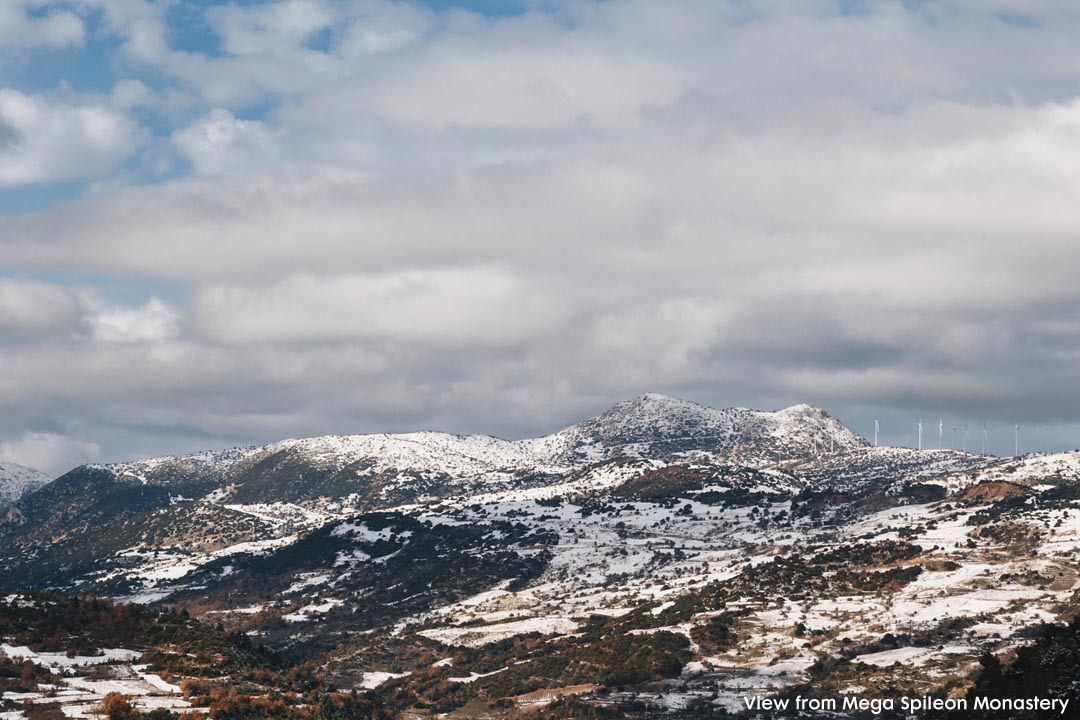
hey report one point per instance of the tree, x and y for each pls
(117, 707)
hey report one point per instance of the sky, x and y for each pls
(227, 223)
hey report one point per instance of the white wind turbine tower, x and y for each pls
(984, 438)
(1016, 440)
(920, 434)
(953, 438)
(876, 428)
(940, 433)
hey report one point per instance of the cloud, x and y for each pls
(393, 218)
(382, 28)
(56, 28)
(9, 136)
(141, 24)
(27, 306)
(220, 143)
(153, 321)
(270, 28)
(476, 307)
(51, 453)
(60, 141)
(516, 83)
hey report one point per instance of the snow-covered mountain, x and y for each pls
(651, 426)
(16, 481)
(685, 554)
(658, 426)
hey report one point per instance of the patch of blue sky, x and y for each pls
(322, 40)
(1018, 19)
(491, 8)
(854, 7)
(85, 69)
(190, 31)
(26, 199)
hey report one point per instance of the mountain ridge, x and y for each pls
(647, 418)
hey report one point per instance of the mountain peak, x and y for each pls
(657, 425)
(19, 480)
(803, 408)
(651, 400)
(657, 397)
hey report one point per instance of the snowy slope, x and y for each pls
(877, 466)
(17, 481)
(214, 463)
(1033, 469)
(456, 455)
(953, 469)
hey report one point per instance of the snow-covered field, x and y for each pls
(80, 696)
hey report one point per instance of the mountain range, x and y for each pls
(662, 558)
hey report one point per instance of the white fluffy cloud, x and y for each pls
(270, 28)
(153, 321)
(220, 143)
(56, 28)
(58, 141)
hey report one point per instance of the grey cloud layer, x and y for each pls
(501, 226)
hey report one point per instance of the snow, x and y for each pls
(372, 680)
(81, 698)
(361, 533)
(17, 481)
(217, 461)
(456, 455)
(61, 660)
(912, 656)
(473, 677)
(482, 634)
(306, 580)
(155, 681)
(281, 514)
(312, 611)
(160, 569)
(484, 597)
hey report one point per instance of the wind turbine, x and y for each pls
(984, 438)
(1016, 440)
(966, 434)
(940, 433)
(876, 428)
(953, 438)
(920, 433)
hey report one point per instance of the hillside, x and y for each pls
(84, 656)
